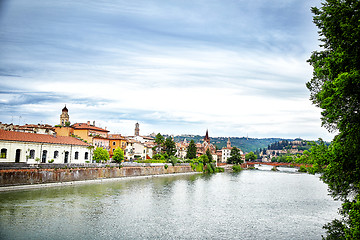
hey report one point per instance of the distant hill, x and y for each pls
(245, 144)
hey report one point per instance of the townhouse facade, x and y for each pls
(116, 141)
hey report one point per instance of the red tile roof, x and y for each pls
(89, 127)
(39, 138)
(116, 137)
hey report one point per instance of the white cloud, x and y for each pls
(236, 68)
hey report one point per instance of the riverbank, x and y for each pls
(103, 180)
(33, 177)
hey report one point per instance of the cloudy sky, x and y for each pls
(235, 67)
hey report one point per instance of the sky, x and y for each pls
(235, 67)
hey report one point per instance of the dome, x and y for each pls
(65, 109)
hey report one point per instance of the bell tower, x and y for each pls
(228, 143)
(64, 117)
(137, 129)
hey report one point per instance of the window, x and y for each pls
(66, 157)
(32, 154)
(113, 149)
(56, 154)
(43, 159)
(86, 155)
(76, 155)
(113, 143)
(3, 153)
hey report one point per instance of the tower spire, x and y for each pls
(64, 117)
(206, 138)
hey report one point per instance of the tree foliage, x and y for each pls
(204, 159)
(169, 147)
(191, 150)
(118, 155)
(209, 155)
(235, 156)
(159, 142)
(101, 154)
(335, 88)
(250, 156)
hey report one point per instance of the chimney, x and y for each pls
(88, 122)
(94, 123)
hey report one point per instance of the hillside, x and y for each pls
(245, 144)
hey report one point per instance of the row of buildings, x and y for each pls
(66, 143)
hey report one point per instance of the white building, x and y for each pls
(135, 149)
(226, 152)
(29, 147)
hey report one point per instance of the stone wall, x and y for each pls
(11, 177)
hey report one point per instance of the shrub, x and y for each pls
(219, 169)
(199, 167)
(51, 161)
(209, 168)
(302, 169)
(159, 157)
(237, 168)
(173, 160)
(166, 166)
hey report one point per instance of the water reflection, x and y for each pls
(246, 205)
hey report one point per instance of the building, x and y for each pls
(64, 117)
(201, 148)
(139, 138)
(88, 132)
(137, 129)
(138, 150)
(29, 128)
(116, 141)
(181, 149)
(42, 148)
(226, 152)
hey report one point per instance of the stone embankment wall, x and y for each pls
(11, 177)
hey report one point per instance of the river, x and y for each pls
(252, 204)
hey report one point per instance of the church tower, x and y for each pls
(137, 129)
(228, 143)
(64, 117)
(206, 138)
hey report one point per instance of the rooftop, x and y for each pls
(39, 138)
(88, 126)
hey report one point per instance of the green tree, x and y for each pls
(235, 156)
(204, 159)
(335, 88)
(208, 154)
(250, 156)
(100, 154)
(159, 142)
(191, 150)
(169, 147)
(118, 155)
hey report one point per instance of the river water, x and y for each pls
(254, 204)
